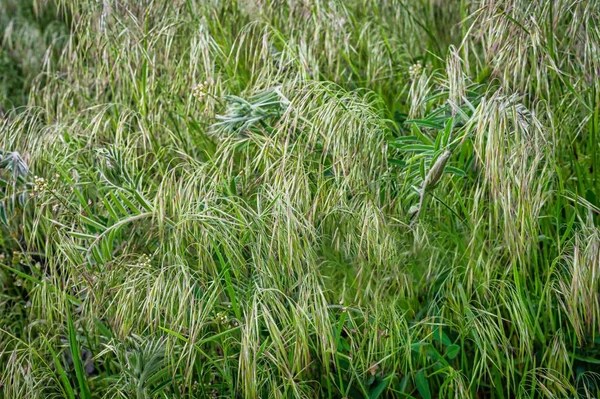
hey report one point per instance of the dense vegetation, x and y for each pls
(307, 198)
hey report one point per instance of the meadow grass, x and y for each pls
(277, 199)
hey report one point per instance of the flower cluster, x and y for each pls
(40, 185)
(143, 262)
(415, 70)
(222, 318)
(200, 90)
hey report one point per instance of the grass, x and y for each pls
(341, 199)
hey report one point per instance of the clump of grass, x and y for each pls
(299, 199)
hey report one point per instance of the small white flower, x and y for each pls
(200, 90)
(40, 185)
(415, 70)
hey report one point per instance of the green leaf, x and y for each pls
(440, 336)
(406, 139)
(142, 201)
(117, 205)
(64, 378)
(455, 171)
(422, 384)
(447, 132)
(163, 385)
(111, 210)
(76, 355)
(92, 223)
(3, 217)
(452, 351)
(428, 123)
(416, 147)
(433, 353)
(438, 142)
(587, 359)
(401, 385)
(339, 328)
(379, 388)
(397, 162)
(105, 331)
(82, 236)
(225, 266)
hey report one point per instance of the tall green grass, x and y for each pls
(264, 198)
